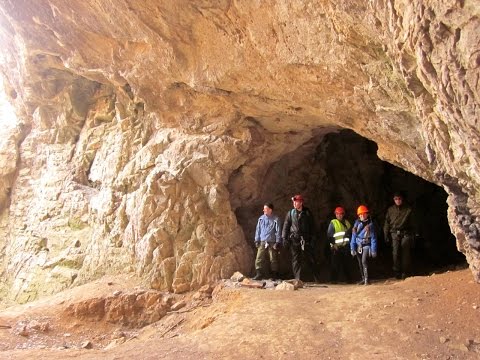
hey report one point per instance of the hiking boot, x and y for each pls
(365, 276)
(258, 276)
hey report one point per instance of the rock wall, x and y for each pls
(143, 126)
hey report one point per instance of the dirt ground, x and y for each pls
(428, 317)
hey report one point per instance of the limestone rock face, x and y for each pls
(145, 125)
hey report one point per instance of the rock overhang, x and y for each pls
(156, 107)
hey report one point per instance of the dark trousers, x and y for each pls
(401, 251)
(363, 262)
(341, 264)
(302, 258)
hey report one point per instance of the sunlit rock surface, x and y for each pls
(144, 125)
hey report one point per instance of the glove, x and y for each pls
(257, 244)
(373, 254)
(276, 246)
(353, 252)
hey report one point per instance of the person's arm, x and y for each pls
(278, 231)
(373, 239)
(330, 233)
(353, 240)
(348, 233)
(411, 225)
(312, 229)
(386, 227)
(257, 231)
(286, 229)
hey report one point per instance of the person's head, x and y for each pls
(298, 202)
(268, 208)
(398, 198)
(339, 212)
(362, 212)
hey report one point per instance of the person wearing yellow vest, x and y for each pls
(338, 233)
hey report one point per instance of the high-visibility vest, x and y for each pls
(340, 231)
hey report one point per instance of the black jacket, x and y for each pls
(298, 224)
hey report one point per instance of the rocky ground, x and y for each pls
(428, 317)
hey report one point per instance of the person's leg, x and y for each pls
(365, 256)
(334, 267)
(296, 252)
(396, 248)
(344, 261)
(406, 245)
(273, 257)
(360, 266)
(260, 262)
(309, 255)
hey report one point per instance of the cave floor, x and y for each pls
(428, 317)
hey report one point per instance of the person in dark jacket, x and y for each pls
(298, 234)
(399, 229)
(363, 244)
(338, 234)
(267, 241)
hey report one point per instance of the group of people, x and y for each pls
(346, 240)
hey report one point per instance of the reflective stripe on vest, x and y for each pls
(339, 239)
(340, 230)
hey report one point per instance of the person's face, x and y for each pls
(297, 204)
(398, 200)
(339, 215)
(267, 211)
(363, 216)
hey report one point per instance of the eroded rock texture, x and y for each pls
(145, 125)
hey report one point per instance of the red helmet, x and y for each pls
(297, 198)
(362, 209)
(339, 210)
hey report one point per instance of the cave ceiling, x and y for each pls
(137, 119)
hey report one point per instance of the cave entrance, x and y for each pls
(342, 168)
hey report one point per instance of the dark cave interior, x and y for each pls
(342, 169)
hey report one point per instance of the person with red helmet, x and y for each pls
(363, 243)
(298, 234)
(338, 233)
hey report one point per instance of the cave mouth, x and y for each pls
(342, 168)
